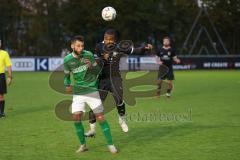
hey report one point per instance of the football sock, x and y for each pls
(159, 88)
(2, 106)
(169, 91)
(121, 109)
(80, 132)
(92, 126)
(106, 131)
(92, 117)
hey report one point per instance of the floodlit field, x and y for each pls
(200, 122)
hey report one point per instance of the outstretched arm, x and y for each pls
(176, 60)
(98, 52)
(141, 50)
(9, 79)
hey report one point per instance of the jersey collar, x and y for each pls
(76, 56)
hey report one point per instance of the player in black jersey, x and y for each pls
(110, 79)
(166, 56)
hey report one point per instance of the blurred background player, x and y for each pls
(110, 79)
(78, 63)
(4, 62)
(166, 56)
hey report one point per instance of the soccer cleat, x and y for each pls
(2, 115)
(168, 95)
(82, 148)
(90, 133)
(123, 124)
(112, 149)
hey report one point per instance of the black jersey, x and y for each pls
(111, 66)
(166, 56)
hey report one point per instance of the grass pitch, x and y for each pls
(209, 100)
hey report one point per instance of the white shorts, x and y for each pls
(92, 99)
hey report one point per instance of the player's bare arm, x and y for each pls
(176, 60)
(148, 47)
(9, 79)
(69, 89)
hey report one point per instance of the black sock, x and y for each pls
(2, 107)
(159, 89)
(92, 117)
(121, 109)
(169, 91)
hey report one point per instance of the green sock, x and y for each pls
(106, 131)
(80, 132)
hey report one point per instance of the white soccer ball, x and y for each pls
(109, 13)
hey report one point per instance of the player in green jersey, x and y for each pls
(82, 66)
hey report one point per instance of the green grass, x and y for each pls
(32, 131)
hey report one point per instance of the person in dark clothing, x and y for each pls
(110, 79)
(167, 57)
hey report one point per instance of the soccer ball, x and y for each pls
(109, 13)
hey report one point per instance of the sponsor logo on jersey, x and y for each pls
(165, 57)
(80, 69)
(72, 63)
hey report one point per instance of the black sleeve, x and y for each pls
(157, 51)
(98, 50)
(98, 53)
(173, 51)
(138, 50)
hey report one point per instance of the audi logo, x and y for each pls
(23, 64)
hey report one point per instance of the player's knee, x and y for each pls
(170, 83)
(77, 117)
(1, 97)
(159, 82)
(100, 117)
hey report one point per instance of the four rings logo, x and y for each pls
(23, 64)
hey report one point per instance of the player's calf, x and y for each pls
(170, 86)
(92, 122)
(159, 86)
(79, 131)
(106, 131)
(2, 106)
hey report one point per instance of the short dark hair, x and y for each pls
(111, 32)
(167, 37)
(77, 38)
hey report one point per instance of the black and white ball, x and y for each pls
(109, 13)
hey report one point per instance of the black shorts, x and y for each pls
(169, 75)
(113, 85)
(3, 85)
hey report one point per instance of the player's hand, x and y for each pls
(69, 89)
(159, 62)
(88, 62)
(178, 61)
(106, 56)
(148, 47)
(9, 81)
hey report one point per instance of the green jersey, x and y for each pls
(85, 79)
